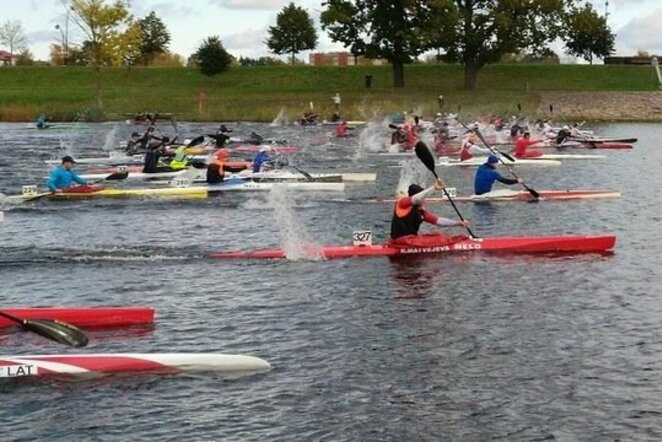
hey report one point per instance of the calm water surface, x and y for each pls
(469, 347)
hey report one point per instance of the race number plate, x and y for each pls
(452, 192)
(362, 238)
(444, 160)
(181, 182)
(15, 371)
(29, 190)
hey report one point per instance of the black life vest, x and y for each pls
(406, 221)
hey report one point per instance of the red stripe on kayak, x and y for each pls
(86, 317)
(97, 364)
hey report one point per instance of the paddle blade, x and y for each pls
(423, 153)
(118, 175)
(57, 331)
(519, 107)
(197, 140)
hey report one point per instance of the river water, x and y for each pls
(464, 347)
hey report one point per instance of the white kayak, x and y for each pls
(561, 156)
(286, 175)
(478, 161)
(113, 159)
(95, 365)
(247, 185)
(147, 176)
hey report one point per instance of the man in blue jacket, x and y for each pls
(486, 175)
(62, 176)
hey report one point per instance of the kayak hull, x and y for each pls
(85, 317)
(535, 244)
(94, 365)
(523, 195)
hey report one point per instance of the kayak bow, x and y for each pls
(94, 365)
(85, 317)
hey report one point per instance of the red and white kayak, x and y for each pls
(96, 365)
(84, 317)
(506, 244)
(523, 195)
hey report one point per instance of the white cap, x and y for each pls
(187, 141)
(566, 127)
(439, 114)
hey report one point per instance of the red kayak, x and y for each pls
(508, 244)
(85, 317)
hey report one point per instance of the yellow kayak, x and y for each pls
(100, 191)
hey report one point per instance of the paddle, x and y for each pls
(195, 141)
(51, 329)
(533, 193)
(308, 176)
(423, 153)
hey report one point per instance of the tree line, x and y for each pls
(473, 33)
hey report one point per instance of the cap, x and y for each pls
(492, 159)
(68, 159)
(135, 134)
(222, 153)
(414, 189)
(566, 127)
(223, 128)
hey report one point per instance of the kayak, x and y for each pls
(95, 191)
(253, 148)
(559, 156)
(84, 317)
(597, 144)
(479, 161)
(506, 244)
(113, 159)
(286, 175)
(96, 365)
(137, 173)
(236, 184)
(521, 195)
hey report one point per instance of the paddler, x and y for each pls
(408, 215)
(215, 168)
(486, 175)
(523, 144)
(180, 160)
(262, 159)
(62, 176)
(563, 135)
(470, 147)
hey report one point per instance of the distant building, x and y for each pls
(342, 59)
(6, 58)
(637, 59)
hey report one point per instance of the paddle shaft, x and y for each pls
(533, 193)
(423, 153)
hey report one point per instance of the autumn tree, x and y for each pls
(25, 58)
(12, 35)
(294, 32)
(211, 57)
(587, 34)
(112, 35)
(155, 37)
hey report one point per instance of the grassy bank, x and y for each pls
(260, 93)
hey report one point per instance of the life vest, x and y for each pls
(406, 221)
(179, 161)
(215, 171)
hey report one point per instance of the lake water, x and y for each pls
(464, 347)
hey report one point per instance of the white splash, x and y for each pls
(295, 241)
(109, 141)
(372, 138)
(412, 172)
(280, 119)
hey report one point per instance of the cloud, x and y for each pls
(44, 37)
(249, 4)
(164, 9)
(641, 33)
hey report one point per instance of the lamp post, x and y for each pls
(64, 44)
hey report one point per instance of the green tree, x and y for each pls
(211, 57)
(485, 30)
(587, 34)
(294, 32)
(112, 35)
(397, 30)
(155, 37)
(12, 35)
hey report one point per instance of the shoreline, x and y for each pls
(604, 106)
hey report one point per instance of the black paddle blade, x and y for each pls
(118, 175)
(57, 331)
(197, 140)
(551, 108)
(423, 153)
(519, 107)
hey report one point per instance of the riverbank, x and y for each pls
(620, 93)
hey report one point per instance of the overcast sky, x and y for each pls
(242, 24)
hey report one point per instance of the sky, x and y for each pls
(242, 24)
